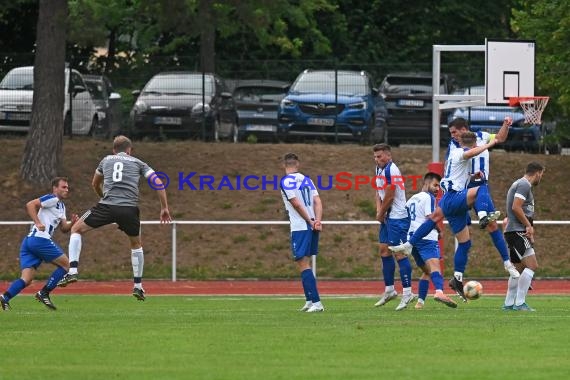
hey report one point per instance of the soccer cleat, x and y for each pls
(405, 248)
(43, 297)
(512, 270)
(139, 294)
(307, 306)
(523, 307)
(386, 298)
(5, 305)
(484, 221)
(67, 279)
(508, 307)
(442, 298)
(315, 308)
(419, 305)
(457, 286)
(405, 301)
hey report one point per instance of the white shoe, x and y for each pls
(386, 297)
(509, 267)
(307, 306)
(315, 308)
(405, 301)
(405, 248)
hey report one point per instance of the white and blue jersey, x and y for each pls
(51, 213)
(479, 163)
(456, 174)
(391, 175)
(421, 205)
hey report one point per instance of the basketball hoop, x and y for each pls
(532, 107)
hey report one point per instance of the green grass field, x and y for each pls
(175, 337)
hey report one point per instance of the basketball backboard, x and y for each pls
(509, 70)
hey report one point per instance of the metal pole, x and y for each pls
(173, 251)
(435, 105)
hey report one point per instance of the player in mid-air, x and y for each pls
(47, 213)
(456, 202)
(305, 211)
(426, 252)
(116, 182)
(479, 176)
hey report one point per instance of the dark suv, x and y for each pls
(185, 104)
(409, 100)
(328, 103)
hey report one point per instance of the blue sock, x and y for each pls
(405, 272)
(483, 200)
(461, 256)
(423, 288)
(388, 269)
(499, 242)
(310, 285)
(422, 231)
(54, 279)
(15, 288)
(437, 280)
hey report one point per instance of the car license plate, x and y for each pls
(14, 116)
(326, 122)
(410, 103)
(261, 128)
(167, 120)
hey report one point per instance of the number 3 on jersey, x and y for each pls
(117, 171)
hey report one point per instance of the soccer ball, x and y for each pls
(473, 290)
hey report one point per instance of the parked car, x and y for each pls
(409, 100)
(256, 104)
(108, 104)
(184, 104)
(16, 94)
(317, 107)
(529, 138)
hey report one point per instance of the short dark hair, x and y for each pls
(534, 167)
(468, 138)
(459, 123)
(431, 176)
(290, 159)
(56, 180)
(382, 147)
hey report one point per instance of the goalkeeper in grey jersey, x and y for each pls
(116, 181)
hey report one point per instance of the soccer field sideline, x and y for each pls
(275, 287)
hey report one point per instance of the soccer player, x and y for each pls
(455, 204)
(305, 210)
(426, 252)
(519, 234)
(394, 221)
(116, 182)
(47, 213)
(479, 176)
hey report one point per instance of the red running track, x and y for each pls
(277, 287)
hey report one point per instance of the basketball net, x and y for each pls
(532, 107)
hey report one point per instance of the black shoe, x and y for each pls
(5, 305)
(139, 294)
(457, 286)
(484, 221)
(67, 279)
(43, 297)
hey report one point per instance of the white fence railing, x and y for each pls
(263, 222)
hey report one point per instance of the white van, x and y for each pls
(17, 91)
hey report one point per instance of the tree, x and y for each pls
(41, 160)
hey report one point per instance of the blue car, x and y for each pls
(325, 104)
(524, 137)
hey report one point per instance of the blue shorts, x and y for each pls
(454, 207)
(35, 250)
(304, 243)
(427, 250)
(394, 231)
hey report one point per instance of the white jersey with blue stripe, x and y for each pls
(479, 163)
(391, 175)
(297, 185)
(51, 213)
(421, 205)
(456, 174)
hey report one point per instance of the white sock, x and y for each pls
(512, 285)
(524, 282)
(507, 263)
(458, 276)
(407, 291)
(482, 214)
(389, 289)
(137, 259)
(74, 250)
